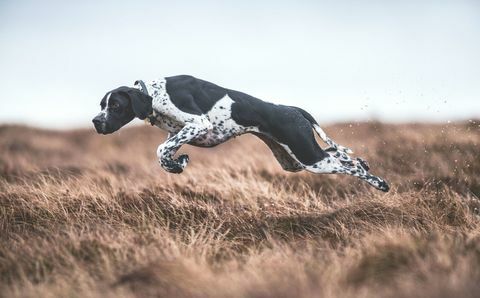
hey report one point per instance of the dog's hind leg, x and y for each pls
(333, 165)
(294, 134)
(284, 158)
(333, 146)
(346, 159)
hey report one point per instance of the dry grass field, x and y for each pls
(84, 215)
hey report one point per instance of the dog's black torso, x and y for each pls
(284, 124)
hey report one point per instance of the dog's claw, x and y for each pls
(183, 160)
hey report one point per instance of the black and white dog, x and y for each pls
(200, 113)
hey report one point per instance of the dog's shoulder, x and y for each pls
(186, 91)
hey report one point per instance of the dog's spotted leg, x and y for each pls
(360, 171)
(167, 150)
(333, 165)
(333, 146)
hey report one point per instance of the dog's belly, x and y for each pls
(224, 127)
(212, 138)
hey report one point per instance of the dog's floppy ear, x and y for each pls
(141, 103)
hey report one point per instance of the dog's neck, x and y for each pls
(158, 91)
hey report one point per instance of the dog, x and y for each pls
(200, 113)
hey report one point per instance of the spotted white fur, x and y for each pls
(224, 127)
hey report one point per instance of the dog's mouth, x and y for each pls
(102, 127)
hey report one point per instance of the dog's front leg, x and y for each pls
(167, 150)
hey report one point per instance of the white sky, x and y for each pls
(340, 60)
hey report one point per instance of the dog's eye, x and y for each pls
(115, 105)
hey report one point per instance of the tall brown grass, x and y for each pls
(95, 216)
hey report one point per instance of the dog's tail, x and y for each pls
(322, 134)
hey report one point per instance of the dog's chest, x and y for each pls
(168, 124)
(167, 116)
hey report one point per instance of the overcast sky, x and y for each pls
(341, 60)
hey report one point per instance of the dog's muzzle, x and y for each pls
(100, 124)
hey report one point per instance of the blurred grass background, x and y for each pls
(96, 216)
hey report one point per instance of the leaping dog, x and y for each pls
(200, 113)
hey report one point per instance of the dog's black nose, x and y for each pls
(96, 121)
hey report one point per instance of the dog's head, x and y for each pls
(119, 107)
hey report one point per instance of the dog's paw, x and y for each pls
(378, 183)
(171, 166)
(383, 186)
